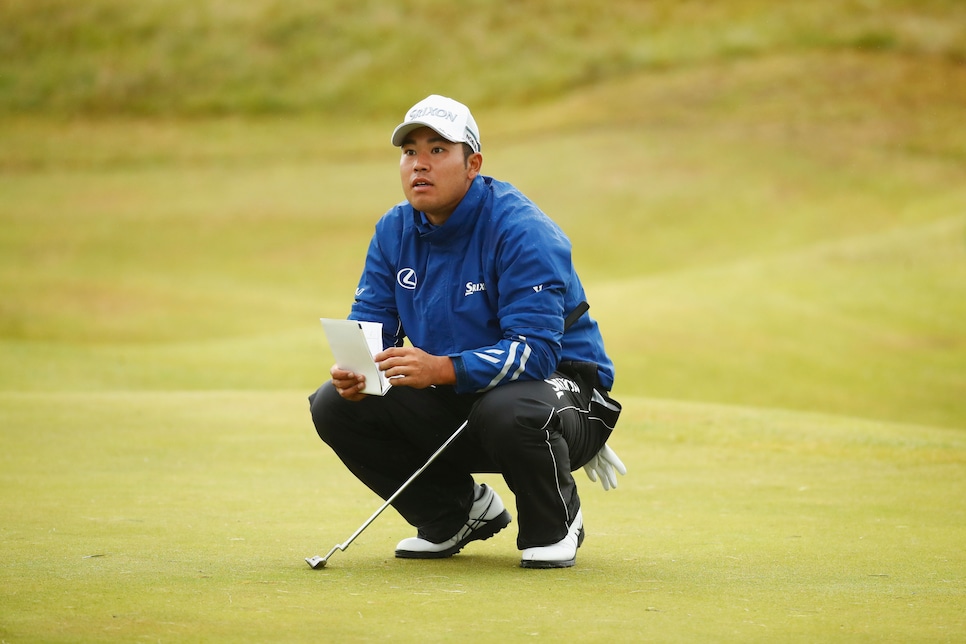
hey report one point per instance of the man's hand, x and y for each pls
(412, 367)
(605, 464)
(348, 384)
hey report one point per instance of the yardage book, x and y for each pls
(353, 345)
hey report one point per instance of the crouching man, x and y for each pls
(481, 282)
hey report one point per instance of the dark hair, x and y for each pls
(467, 153)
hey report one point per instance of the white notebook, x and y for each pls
(353, 344)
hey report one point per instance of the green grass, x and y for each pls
(185, 516)
(103, 57)
(812, 262)
(768, 206)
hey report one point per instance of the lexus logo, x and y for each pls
(407, 279)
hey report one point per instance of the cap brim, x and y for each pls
(399, 134)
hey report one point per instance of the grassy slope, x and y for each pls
(364, 57)
(186, 517)
(775, 256)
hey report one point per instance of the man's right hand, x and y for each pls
(348, 384)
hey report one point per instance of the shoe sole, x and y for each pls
(535, 564)
(482, 533)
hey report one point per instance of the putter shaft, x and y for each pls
(319, 562)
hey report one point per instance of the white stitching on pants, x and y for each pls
(563, 502)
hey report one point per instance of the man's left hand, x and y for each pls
(605, 465)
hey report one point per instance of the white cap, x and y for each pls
(449, 118)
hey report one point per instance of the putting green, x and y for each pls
(186, 516)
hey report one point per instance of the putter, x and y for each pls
(318, 562)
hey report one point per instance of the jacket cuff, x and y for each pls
(463, 383)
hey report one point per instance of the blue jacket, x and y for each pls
(490, 288)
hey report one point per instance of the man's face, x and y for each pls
(435, 176)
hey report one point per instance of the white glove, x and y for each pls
(604, 464)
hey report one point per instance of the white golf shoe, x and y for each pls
(487, 517)
(562, 554)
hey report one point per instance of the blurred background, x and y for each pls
(767, 200)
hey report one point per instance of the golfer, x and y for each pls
(480, 282)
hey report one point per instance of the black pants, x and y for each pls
(533, 433)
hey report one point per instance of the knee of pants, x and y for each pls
(323, 406)
(515, 421)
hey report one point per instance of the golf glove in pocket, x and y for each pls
(605, 465)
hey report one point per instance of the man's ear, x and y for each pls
(474, 164)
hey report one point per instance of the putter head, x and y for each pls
(315, 562)
(319, 562)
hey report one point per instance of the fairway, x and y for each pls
(767, 204)
(186, 517)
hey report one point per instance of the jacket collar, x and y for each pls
(462, 220)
